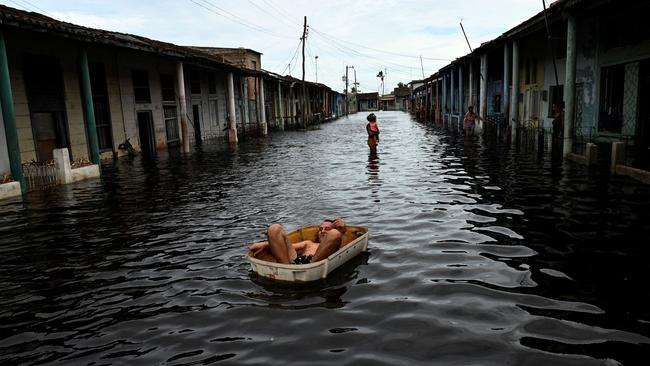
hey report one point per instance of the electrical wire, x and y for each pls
(234, 18)
(295, 53)
(378, 50)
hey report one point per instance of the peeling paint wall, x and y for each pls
(19, 44)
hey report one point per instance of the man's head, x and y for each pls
(324, 228)
(371, 117)
(470, 108)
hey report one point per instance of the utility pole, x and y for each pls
(346, 91)
(356, 85)
(304, 86)
(316, 57)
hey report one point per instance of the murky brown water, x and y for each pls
(479, 254)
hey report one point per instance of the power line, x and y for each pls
(280, 11)
(292, 57)
(381, 51)
(234, 18)
(350, 51)
(282, 18)
(33, 6)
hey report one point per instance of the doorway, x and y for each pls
(45, 95)
(196, 122)
(146, 133)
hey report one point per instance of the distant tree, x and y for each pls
(400, 85)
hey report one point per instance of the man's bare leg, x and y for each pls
(279, 244)
(328, 245)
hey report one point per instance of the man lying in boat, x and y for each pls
(328, 241)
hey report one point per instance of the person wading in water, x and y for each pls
(373, 131)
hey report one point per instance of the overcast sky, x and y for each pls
(371, 35)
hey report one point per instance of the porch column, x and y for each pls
(180, 86)
(460, 96)
(471, 84)
(506, 82)
(437, 100)
(232, 115)
(281, 117)
(514, 97)
(444, 95)
(483, 86)
(88, 109)
(9, 117)
(570, 85)
(453, 91)
(265, 128)
(246, 117)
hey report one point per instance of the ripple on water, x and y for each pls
(479, 254)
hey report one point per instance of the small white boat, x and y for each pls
(357, 235)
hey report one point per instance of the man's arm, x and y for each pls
(301, 245)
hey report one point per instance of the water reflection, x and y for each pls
(374, 182)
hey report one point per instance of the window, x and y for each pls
(254, 65)
(141, 86)
(195, 82)
(171, 123)
(167, 88)
(212, 83)
(101, 106)
(611, 98)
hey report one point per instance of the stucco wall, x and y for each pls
(108, 57)
(67, 53)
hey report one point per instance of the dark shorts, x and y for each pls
(302, 259)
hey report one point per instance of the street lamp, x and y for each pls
(316, 57)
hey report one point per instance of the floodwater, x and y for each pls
(479, 254)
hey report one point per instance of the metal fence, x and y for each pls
(40, 175)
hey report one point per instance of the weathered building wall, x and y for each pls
(66, 53)
(108, 58)
(127, 62)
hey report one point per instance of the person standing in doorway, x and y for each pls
(373, 131)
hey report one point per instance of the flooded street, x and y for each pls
(479, 253)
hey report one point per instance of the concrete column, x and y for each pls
(232, 115)
(483, 86)
(281, 107)
(437, 100)
(246, 114)
(88, 109)
(180, 86)
(618, 156)
(453, 91)
(471, 84)
(514, 97)
(9, 117)
(460, 96)
(265, 128)
(444, 95)
(506, 82)
(570, 85)
(591, 154)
